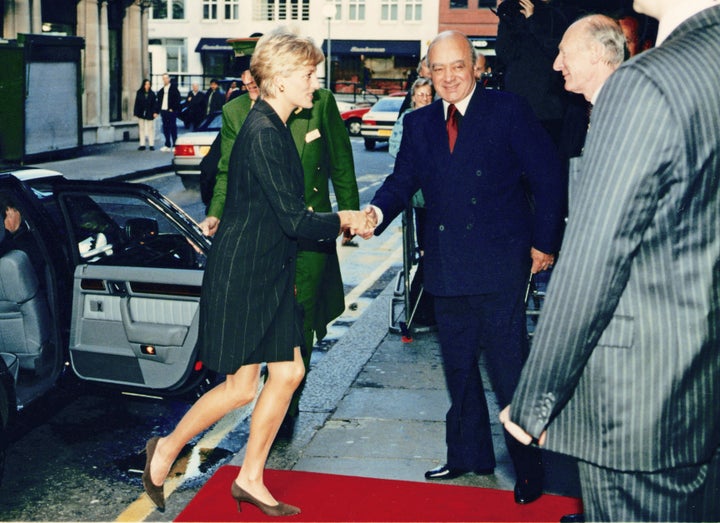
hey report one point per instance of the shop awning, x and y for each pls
(213, 45)
(373, 47)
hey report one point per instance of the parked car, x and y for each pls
(353, 119)
(378, 122)
(117, 304)
(191, 148)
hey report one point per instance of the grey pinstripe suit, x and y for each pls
(625, 367)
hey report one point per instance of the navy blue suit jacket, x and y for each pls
(500, 192)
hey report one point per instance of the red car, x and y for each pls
(353, 119)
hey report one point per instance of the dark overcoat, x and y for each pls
(248, 310)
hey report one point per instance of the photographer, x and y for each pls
(529, 32)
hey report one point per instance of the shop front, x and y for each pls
(377, 67)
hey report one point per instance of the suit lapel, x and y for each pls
(299, 125)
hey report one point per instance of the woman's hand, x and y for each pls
(357, 222)
(209, 225)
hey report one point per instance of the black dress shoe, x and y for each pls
(527, 491)
(445, 472)
(573, 518)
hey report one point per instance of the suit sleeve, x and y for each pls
(615, 201)
(544, 175)
(342, 167)
(271, 174)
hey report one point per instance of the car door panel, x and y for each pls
(138, 326)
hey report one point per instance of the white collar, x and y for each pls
(462, 105)
(677, 14)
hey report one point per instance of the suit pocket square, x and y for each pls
(618, 333)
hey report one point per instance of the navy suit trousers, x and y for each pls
(495, 324)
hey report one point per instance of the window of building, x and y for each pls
(356, 10)
(168, 9)
(389, 10)
(232, 9)
(413, 10)
(459, 4)
(281, 10)
(176, 55)
(210, 9)
(487, 3)
(338, 9)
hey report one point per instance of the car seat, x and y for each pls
(24, 313)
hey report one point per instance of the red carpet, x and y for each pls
(329, 497)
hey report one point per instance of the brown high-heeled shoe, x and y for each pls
(281, 509)
(156, 494)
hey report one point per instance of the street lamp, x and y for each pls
(329, 13)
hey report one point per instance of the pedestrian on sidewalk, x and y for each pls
(144, 111)
(248, 310)
(168, 106)
(476, 154)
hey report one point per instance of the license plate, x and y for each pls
(384, 132)
(204, 149)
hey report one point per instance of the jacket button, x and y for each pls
(473, 200)
(441, 228)
(478, 173)
(469, 226)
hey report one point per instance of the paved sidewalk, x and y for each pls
(115, 161)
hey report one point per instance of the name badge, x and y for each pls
(312, 135)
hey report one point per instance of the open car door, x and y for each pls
(136, 289)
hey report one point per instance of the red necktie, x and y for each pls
(452, 125)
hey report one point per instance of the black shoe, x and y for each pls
(141, 148)
(527, 491)
(573, 518)
(445, 472)
(152, 147)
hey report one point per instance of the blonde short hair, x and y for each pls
(278, 54)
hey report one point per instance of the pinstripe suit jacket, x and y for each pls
(625, 366)
(248, 311)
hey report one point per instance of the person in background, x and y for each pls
(326, 154)
(476, 153)
(422, 71)
(214, 98)
(248, 311)
(144, 111)
(422, 95)
(590, 51)
(195, 103)
(623, 372)
(529, 32)
(233, 91)
(168, 107)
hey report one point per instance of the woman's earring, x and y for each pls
(282, 88)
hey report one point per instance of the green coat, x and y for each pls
(324, 147)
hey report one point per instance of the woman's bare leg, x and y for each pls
(237, 390)
(283, 378)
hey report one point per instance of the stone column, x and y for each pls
(133, 72)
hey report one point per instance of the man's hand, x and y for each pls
(516, 431)
(209, 225)
(371, 221)
(527, 8)
(540, 260)
(357, 222)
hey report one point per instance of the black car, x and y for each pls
(117, 301)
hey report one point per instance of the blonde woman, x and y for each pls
(248, 311)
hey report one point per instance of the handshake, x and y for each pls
(361, 223)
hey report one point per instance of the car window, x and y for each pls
(127, 230)
(388, 105)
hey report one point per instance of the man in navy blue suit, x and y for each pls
(495, 205)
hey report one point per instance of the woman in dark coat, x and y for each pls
(144, 111)
(248, 311)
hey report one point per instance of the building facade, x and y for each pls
(114, 57)
(372, 43)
